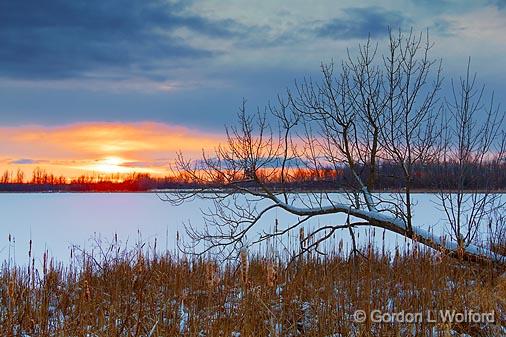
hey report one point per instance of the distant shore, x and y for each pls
(171, 191)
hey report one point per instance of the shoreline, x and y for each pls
(172, 191)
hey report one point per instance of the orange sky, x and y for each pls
(86, 148)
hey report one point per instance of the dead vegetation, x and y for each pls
(138, 292)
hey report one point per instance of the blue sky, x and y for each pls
(190, 63)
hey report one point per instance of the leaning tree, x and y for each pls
(375, 108)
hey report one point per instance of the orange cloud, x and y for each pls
(100, 147)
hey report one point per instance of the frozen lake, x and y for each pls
(55, 221)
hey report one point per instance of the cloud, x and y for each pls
(438, 5)
(358, 23)
(24, 161)
(500, 4)
(444, 27)
(144, 164)
(60, 39)
(86, 146)
(85, 140)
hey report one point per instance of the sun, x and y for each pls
(111, 164)
(115, 165)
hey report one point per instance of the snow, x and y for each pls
(57, 221)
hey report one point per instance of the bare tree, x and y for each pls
(474, 145)
(377, 109)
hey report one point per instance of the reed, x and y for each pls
(142, 293)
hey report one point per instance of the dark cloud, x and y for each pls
(456, 6)
(443, 27)
(208, 107)
(500, 4)
(435, 4)
(58, 39)
(24, 161)
(144, 164)
(357, 23)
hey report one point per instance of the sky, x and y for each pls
(113, 86)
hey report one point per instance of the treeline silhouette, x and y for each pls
(448, 176)
(42, 181)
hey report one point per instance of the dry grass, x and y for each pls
(140, 293)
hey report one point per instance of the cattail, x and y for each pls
(244, 266)
(272, 275)
(33, 273)
(44, 263)
(139, 267)
(209, 276)
(87, 292)
(212, 277)
(301, 238)
(415, 252)
(11, 290)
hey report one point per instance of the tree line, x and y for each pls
(425, 178)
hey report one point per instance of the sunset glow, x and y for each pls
(99, 148)
(110, 165)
